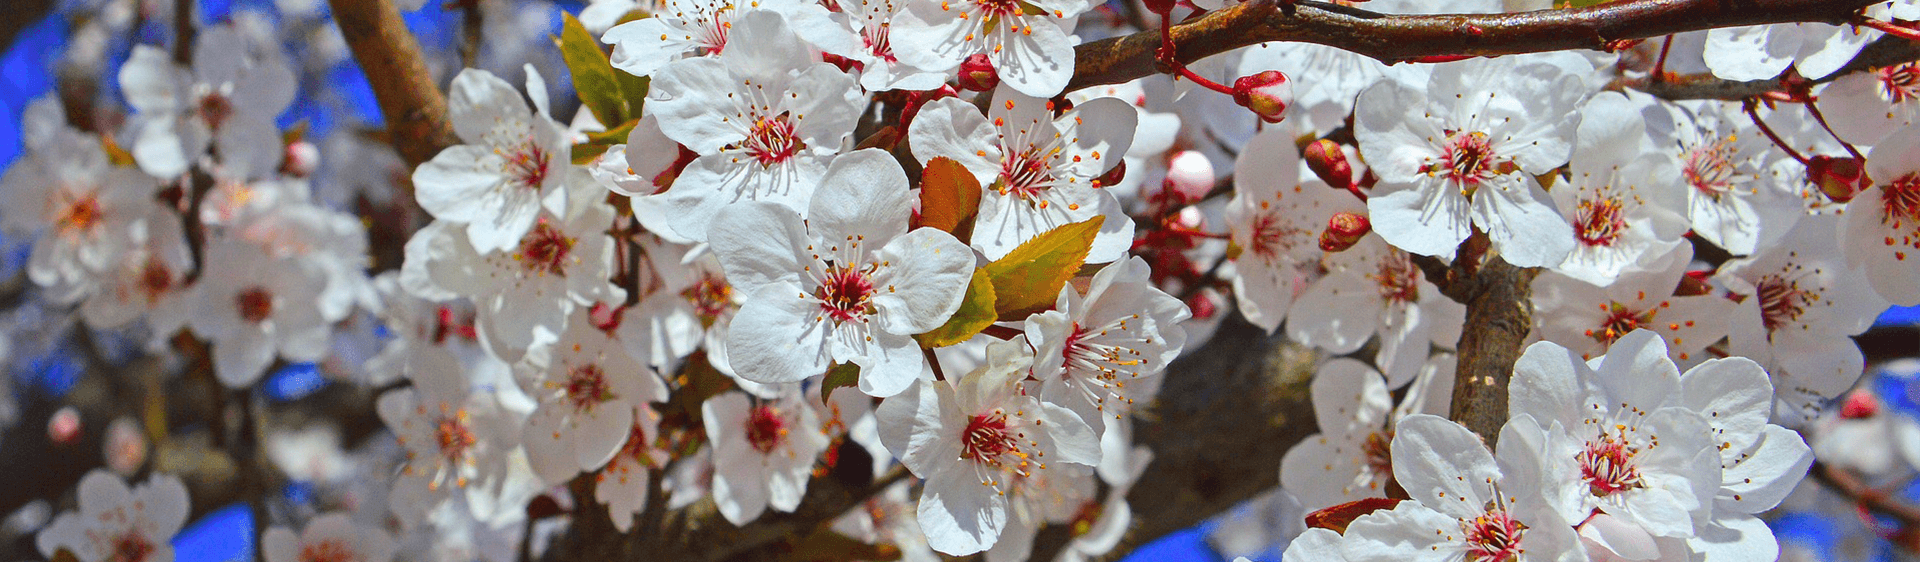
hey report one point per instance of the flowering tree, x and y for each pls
(809, 280)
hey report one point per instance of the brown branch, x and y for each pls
(1886, 51)
(1394, 39)
(1852, 487)
(414, 107)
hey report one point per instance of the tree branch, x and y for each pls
(1393, 39)
(414, 107)
(1886, 51)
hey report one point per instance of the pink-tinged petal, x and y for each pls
(891, 364)
(1335, 314)
(456, 184)
(1349, 399)
(1735, 395)
(547, 444)
(1766, 474)
(1637, 370)
(687, 96)
(642, 46)
(778, 336)
(1038, 64)
(1548, 383)
(1623, 539)
(1320, 472)
(1073, 439)
(1410, 532)
(599, 434)
(953, 128)
(739, 487)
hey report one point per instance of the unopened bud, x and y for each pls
(977, 74)
(1840, 177)
(126, 447)
(1343, 231)
(1328, 161)
(1859, 404)
(1267, 93)
(64, 427)
(300, 160)
(1190, 174)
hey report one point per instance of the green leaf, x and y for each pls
(598, 143)
(1028, 279)
(949, 197)
(976, 313)
(839, 375)
(593, 77)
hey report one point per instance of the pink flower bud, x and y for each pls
(126, 446)
(1267, 93)
(1859, 404)
(977, 74)
(1840, 177)
(1328, 161)
(300, 160)
(1343, 231)
(64, 427)
(1190, 174)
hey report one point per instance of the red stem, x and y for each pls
(1822, 120)
(1777, 141)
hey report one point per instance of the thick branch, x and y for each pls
(1394, 39)
(1499, 315)
(1886, 51)
(415, 109)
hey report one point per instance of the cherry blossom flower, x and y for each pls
(881, 66)
(1349, 458)
(81, 207)
(1373, 289)
(117, 523)
(848, 285)
(1618, 195)
(253, 307)
(1462, 154)
(587, 387)
(1882, 228)
(1038, 170)
(228, 101)
(1733, 200)
(513, 165)
(703, 27)
(1275, 218)
(1090, 348)
(331, 537)
(763, 453)
(459, 441)
(764, 117)
(624, 484)
(149, 280)
(1028, 43)
(1762, 52)
(1589, 319)
(973, 440)
(1463, 506)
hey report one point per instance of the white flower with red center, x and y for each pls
(80, 207)
(1589, 319)
(1799, 306)
(253, 306)
(586, 387)
(1732, 199)
(1038, 170)
(457, 440)
(332, 537)
(514, 162)
(688, 306)
(1882, 230)
(1762, 52)
(1618, 195)
(1760, 462)
(703, 27)
(1865, 107)
(1464, 505)
(1373, 289)
(763, 452)
(623, 485)
(524, 294)
(1461, 155)
(149, 279)
(1092, 351)
(849, 284)
(1050, 497)
(1614, 436)
(971, 439)
(119, 524)
(228, 101)
(1027, 42)
(881, 67)
(1276, 219)
(1349, 458)
(764, 117)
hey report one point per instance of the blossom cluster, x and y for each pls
(773, 234)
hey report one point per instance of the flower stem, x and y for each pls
(1777, 141)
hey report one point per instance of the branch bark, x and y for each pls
(1886, 51)
(414, 107)
(1393, 39)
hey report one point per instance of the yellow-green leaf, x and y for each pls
(949, 197)
(593, 76)
(839, 375)
(1028, 279)
(598, 143)
(976, 313)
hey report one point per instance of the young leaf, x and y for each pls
(976, 313)
(949, 198)
(1337, 518)
(598, 143)
(839, 375)
(593, 76)
(1028, 279)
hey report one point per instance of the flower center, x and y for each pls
(711, 296)
(1599, 222)
(1096, 357)
(1273, 236)
(773, 140)
(526, 164)
(1379, 454)
(587, 387)
(636, 447)
(1493, 537)
(1467, 159)
(987, 438)
(1709, 167)
(846, 294)
(215, 109)
(545, 250)
(1901, 201)
(454, 437)
(328, 551)
(1781, 301)
(255, 304)
(1398, 277)
(132, 546)
(155, 279)
(876, 33)
(1900, 83)
(1607, 464)
(1619, 321)
(1025, 174)
(765, 428)
(996, 10)
(713, 27)
(82, 215)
